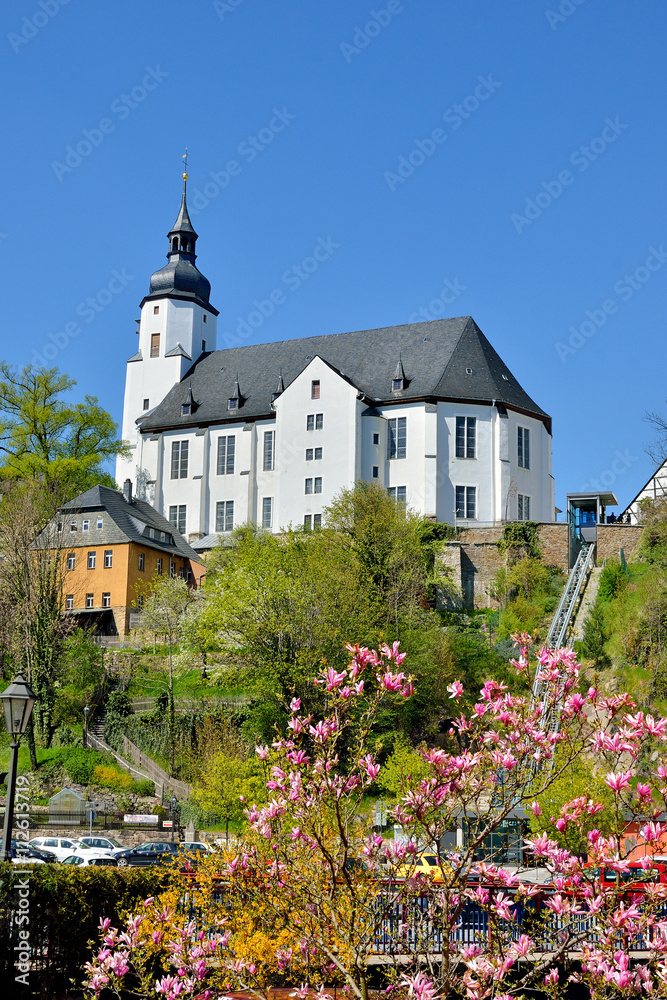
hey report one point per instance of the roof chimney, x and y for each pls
(127, 491)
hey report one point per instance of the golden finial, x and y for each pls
(185, 164)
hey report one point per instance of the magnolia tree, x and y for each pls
(315, 897)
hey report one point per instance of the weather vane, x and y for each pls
(185, 164)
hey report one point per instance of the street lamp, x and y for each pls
(174, 807)
(86, 712)
(17, 704)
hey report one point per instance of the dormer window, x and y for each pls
(399, 381)
(233, 403)
(186, 409)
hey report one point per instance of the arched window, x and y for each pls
(174, 245)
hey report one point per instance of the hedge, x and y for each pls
(64, 907)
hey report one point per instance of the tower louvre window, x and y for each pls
(155, 345)
(156, 310)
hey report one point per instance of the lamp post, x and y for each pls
(86, 712)
(17, 703)
(174, 806)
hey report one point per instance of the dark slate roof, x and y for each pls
(127, 522)
(447, 359)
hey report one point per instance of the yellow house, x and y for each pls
(112, 546)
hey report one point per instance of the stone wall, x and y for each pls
(474, 559)
(612, 537)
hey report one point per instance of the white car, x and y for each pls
(86, 845)
(91, 858)
(61, 847)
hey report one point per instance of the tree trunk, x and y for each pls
(31, 743)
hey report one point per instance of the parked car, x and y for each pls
(61, 847)
(634, 880)
(91, 858)
(152, 853)
(108, 844)
(197, 846)
(426, 865)
(23, 854)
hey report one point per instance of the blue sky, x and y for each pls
(537, 205)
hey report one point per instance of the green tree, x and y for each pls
(575, 775)
(595, 636)
(44, 436)
(228, 785)
(402, 768)
(31, 584)
(162, 614)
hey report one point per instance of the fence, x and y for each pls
(162, 780)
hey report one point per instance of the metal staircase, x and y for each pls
(557, 635)
(568, 602)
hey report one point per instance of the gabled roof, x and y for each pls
(447, 359)
(128, 521)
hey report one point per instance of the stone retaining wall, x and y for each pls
(474, 558)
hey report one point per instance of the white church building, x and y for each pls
(270, 433)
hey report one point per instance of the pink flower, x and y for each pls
(262, 752)
(617, 782)
(295, 705)
(536, 809)
(455, 689)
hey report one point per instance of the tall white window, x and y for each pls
(466, 430)
(397, 437)
(92, 558)
(226, 454)
(267, 512)
(108, 558)
(523, 447)
(466, 502)
(523, 504)
(224, 515)
(179, 459)
(268, 451)
(314, 421)
(177, 516)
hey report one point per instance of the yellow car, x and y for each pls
(426, 866)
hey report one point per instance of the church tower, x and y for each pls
(177, 326)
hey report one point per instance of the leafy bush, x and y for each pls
(613, 581)
(118, 710)
(144, 787)
(79, 763)
(109, 776)
(66, 904)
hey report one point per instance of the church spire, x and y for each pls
(180, 275)
(182, 236)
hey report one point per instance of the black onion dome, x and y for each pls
(180, 275)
